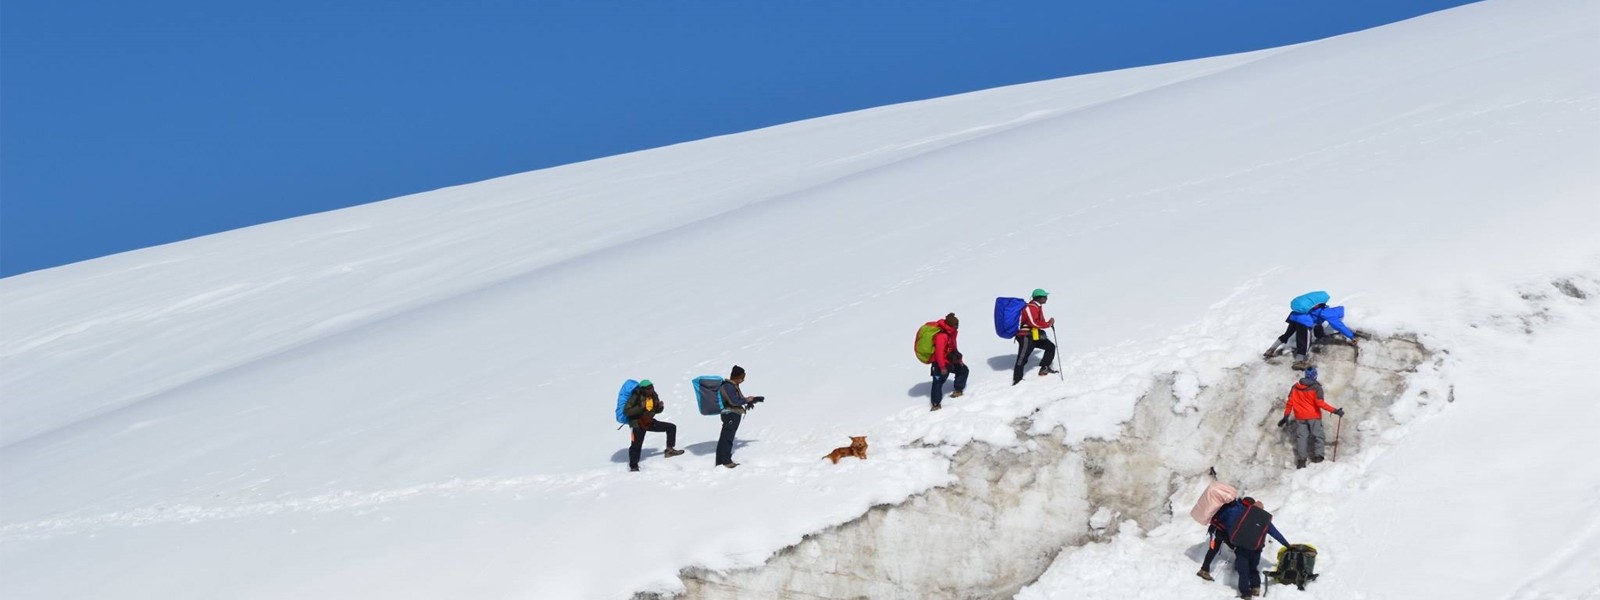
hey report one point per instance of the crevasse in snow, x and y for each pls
(1011, 509)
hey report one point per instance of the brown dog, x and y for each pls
(857, 448)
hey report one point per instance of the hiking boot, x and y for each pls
(1273, 351)
(1046, 371)
(671, 452)
(1299, 463)
(1255, 591)
(1300, 362)
(955, 394)
(1316, 459)
(935, 407)
(1016, 381)
(1204, 574)
(730, 464)
(634, 468)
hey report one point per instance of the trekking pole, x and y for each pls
(1336, 430)
(1057, 336)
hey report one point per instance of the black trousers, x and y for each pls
(1247, 563)
(939, 377)
(730, 426)
(637, 446)
(1213, 544)
(1025, 347)
(1302, 336)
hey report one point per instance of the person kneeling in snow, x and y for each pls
(1308, 313)
(1305, 404)
(641, 409)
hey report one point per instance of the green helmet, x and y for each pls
(645, 383)
(1040, 293)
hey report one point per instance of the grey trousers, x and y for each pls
(1308, 438)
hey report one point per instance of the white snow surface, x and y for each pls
(413, 398)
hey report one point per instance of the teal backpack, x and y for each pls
(1305, 302)
(708, 394)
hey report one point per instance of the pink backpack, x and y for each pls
(1216, 495)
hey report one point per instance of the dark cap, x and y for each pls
(738, 372)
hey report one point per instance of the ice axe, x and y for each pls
(1336, 429)
(1057, 336)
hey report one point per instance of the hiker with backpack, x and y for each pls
(640, 410)
(936, 345)
(1245, 525)
(1305, 404)
(1308, 313)
(734, 405)
(1216, 495)
(1031, 336)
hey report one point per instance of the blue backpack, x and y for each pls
(1008, 316)
(708, 394)
(1305, 302)
(622, 398)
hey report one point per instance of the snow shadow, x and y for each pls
(1004, 362)
(621, 456)
(697, 449)
(925, 389)
(706, 448)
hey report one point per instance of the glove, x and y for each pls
(1339, 412)
(1283, 421)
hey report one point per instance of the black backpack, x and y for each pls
(1251, 531)
(1297, 564)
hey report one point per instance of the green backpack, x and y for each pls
(1297, 564)
(924, 345)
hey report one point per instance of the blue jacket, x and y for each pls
(733, 399)
(1228, 516)
(1332, 315)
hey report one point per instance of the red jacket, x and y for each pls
(944, 344)
(1305, 401)
(1032, 318)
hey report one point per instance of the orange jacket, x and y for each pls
(1305, 401)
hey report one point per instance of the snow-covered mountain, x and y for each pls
(413, 398)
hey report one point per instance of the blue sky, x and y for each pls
(131, 124)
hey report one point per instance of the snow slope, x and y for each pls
(412, 399)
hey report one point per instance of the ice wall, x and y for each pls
(1014, 508)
